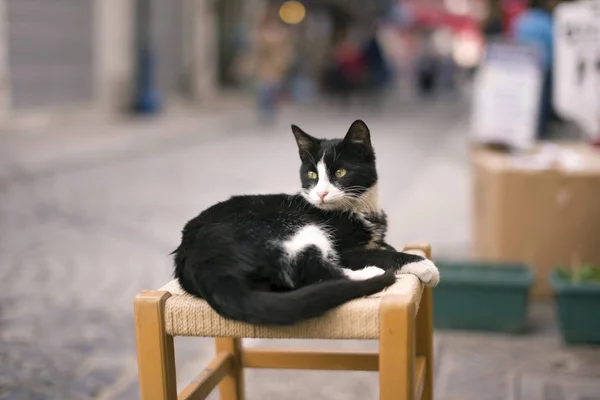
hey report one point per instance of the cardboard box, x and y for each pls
(543, 208)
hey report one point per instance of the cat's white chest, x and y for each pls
(309, 236)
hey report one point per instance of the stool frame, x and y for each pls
(404, 359)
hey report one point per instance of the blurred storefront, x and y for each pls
(85, 54)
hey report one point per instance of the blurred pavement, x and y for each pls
(89, 214)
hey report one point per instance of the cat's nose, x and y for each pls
(322, 195)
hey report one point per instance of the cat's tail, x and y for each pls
(233, 300)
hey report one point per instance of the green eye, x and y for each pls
(340, 172)
(312, 175)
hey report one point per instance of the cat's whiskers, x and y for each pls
(351, 201)
(365, 202)
(362, 205)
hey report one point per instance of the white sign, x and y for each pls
(506, 99)
(577, 64)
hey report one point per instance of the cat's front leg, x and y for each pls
(403, 263)
(364, 273)
(358, 258)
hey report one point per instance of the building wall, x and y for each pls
(115, 60)
(4, 73)
(50, 52)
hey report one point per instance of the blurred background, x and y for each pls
(122, 119)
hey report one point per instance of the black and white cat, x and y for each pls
(279, 259)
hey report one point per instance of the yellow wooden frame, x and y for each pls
(404, 359)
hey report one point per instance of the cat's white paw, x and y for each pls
(363, 274)
(425, 270)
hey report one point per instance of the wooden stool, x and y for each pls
(404, 360)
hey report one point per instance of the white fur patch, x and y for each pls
(309, 235)
(363, 274)
(425, 270)
(324, 185)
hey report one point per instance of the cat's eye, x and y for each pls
(312, 175)
(340, 172)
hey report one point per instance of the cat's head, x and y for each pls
(338, 174)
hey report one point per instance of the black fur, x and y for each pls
(232, 254)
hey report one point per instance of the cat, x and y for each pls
(279, 259)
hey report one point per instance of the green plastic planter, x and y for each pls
(578, 306)
(482, 296)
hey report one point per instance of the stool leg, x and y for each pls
(232, 385)
(156, 358)
(424, 344)
(396, 349)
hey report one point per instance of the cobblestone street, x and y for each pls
(88, 216)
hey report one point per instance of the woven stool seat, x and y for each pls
(358, 319)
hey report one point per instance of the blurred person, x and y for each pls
(447, 74)
(511, 10)
(394, 51)
(535, 26)
(272, 59)
(428, 66)
(493, 25)
(376, 65)
(349, 56)
(346, 68)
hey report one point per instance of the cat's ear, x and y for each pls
(304, 140)
(359, 134)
